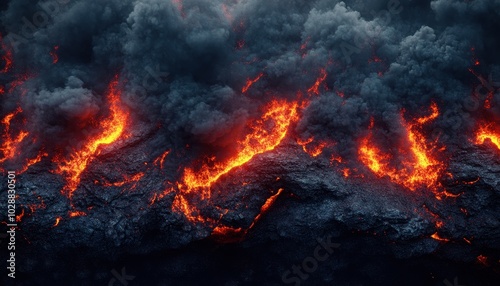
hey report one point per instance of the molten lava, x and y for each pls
(251, 82)
(266, 134)
(320, 80)
(127, 180)
(419, 167)
(11, 143)
(111, 128)
(160, 160)
(487, 132)
(33, 161)
(230, 234)
(436, 236)
(314, 149)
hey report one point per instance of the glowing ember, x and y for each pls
(312, 148)
(111, 129)
(438, 238)
(132, 180)
(20, 216)
(315, 88)
(58, 220)
(419, 169)
(160, 160)
(487, 132)
(250, 82)
(33, 161)
(278, 115)
(226, 231)
(76, 214)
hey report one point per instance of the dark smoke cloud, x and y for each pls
(194, 91)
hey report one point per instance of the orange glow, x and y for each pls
(265, 134)
(181, 204)
(315, 150)
(127, 180)
(20, 216)
(421, 168)
(58, 220)
(10, 145)
(112, 128)
(238, 233)
(250, 82)
(487, 132)
(260, 140)
(322, 77)
(160, 160)
(31, 162)
(434, 114)
(76, 214)
(374, 159)
(266, 206)
(55, 57)
(227, 231)
(438, 238)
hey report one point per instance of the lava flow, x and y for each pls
(487, 132)
(419, 168)
(251, 82)
(228, 234)
(10, 145)
(278, 114)
(322, 77)
(314, 149)
(112, 128)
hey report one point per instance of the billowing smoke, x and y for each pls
(178, 85)
(182, 64)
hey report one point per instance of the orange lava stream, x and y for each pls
(160, 160)
(315, 88)
(10, 144)
(420, 169)
(487, 132)
(127, 180)
(251, 82)
(225, 231)
(266, 134)
(112, 128)
(438, 238)
(31, 162)
(312, 148)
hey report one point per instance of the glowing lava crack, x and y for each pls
(420, 167)
(266, 134)
(112, 128)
